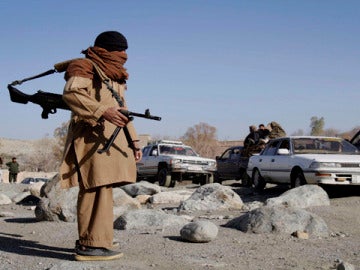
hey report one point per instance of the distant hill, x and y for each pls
(26, 151)
(12, 147)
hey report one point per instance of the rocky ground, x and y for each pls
(28, 244)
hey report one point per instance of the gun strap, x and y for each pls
(105, 79)
(51, 71)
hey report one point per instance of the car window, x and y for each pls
(285, 144)
(152, 152)
(270, 150)
(146, 151)
(323, 146)
(235, 154)
(226, 154)
(356, 140)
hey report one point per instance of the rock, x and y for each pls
(279, 220)
(143, 199)
(212, 197)
(301, 197)
(300, 235)
(35, 188)
(29, 200)
(7, 214)
(141, 188)
(4, 199)
(20, 196)
(345, 266)
(171, 197)
(121, 198)
(148, 219)
(123, 202)
(57, 204)
(199, 232)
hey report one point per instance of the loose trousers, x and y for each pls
(13, 177)
(95, 216)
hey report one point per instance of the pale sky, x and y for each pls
(230, 64)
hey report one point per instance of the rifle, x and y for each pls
(50, 102)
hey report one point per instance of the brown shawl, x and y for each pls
(109, 62)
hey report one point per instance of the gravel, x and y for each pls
(28, 244)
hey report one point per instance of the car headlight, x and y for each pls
(176, 161)
(317, 164)
(212, 164)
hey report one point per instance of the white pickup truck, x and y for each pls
(170, 161)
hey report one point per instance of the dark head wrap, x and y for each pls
(111, 41)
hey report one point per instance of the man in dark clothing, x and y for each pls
(13, 170)
(252, 138)
(263, 133)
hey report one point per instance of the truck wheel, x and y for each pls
(206, 179)
(164, 178)
(258, 181)
(210, 179)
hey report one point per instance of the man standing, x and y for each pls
(13, 170)
(95, 115)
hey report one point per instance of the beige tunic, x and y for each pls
(88, 100)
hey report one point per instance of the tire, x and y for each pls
(165, 179)
(257, 180)
(298, 180)
(206, 179)
(210, 179)
(217, 178)
(246, 180)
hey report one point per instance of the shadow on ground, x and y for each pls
(14, 243)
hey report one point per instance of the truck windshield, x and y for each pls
(177, 150)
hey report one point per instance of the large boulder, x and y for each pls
(301, 197)
(212, 197)
(280, 220)
(149, 220)
(57, 204)
(141, 188)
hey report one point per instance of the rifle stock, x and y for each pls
(49, 102)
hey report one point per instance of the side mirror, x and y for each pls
(154, 152)
(283, 151)
(217, 157)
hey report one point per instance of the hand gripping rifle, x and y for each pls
(50, 102)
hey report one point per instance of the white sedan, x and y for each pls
(300, 160)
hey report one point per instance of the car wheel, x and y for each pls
(258, 181)
(164, 178)
(298, 180)
(246, 180)
(217, 178)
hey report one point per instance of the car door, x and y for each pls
(224, 163)
(266, 159)
(234, 162)
(281, 163)
(356, 140)
(146, 165)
